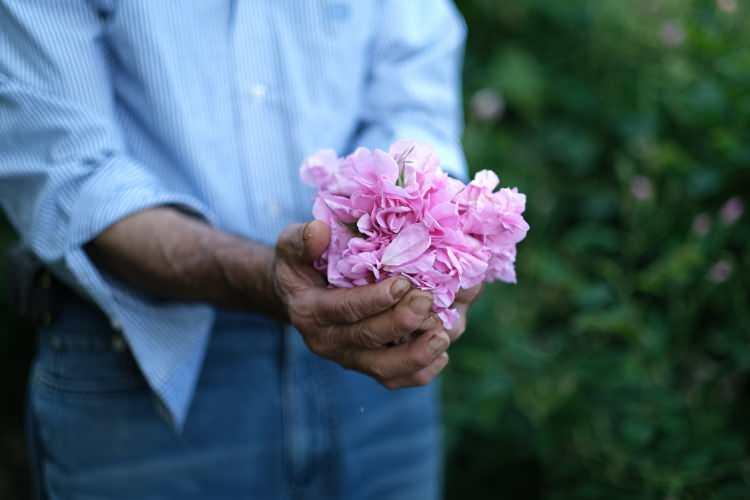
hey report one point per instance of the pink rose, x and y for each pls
(398, 213)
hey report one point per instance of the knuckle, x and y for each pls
(468, 295)
(404, 321)
(308, 306)
(320, 342)
(347, 310)
(430, 323)
(381, 295)
(315, 318)
(458, 330)
(377, 372)
(284, 237)
(287, 242)
(303, 307)
(315, 345)
(364, 337)
(418, 359)
(348, 360)
(298, 307)
(391, 385)
(422, 378)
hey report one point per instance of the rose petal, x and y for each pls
(409, 244)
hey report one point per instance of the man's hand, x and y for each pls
(463, 301)
(356, 327)
(175, 256)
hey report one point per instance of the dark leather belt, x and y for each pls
(34, 293)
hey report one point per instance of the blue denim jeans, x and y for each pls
(269, 420)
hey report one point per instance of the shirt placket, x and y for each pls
(267, 156)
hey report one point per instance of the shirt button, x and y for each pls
(339, 12)
(56, 343)
(118, 343)
(162, 410)
(274, 208)
(258, 91)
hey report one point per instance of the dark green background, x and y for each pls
(617, 368)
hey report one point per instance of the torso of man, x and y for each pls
(225, 102)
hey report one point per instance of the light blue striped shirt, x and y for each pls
(108, 107)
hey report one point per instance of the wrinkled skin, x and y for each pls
(360, 327)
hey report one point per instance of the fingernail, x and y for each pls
(438, 344)
(399, 288)
(431, 322)
(420, 304)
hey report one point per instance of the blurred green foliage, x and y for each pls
(619, 366)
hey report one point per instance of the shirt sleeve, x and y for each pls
(414, 86)
(65, 176)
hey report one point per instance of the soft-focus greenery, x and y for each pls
(618, 367)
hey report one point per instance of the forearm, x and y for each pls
(174, 256)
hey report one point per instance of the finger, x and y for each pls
(460, 326)
(403, 360)
(433, 321)
(316, 237)
(304, 242)
(389, 326)
(350, 305)
(469, 295)
(422, 377)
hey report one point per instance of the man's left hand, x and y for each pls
(464, 299)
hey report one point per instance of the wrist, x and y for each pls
(244, 271)
(278, 303)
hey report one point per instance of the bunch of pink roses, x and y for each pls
(398, 213)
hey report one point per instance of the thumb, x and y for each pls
(316, 236)
(304, 242)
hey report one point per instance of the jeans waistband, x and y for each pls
(82, 325)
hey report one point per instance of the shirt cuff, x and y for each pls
(168, 339)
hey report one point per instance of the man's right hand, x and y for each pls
(175, 256)
(356, 327)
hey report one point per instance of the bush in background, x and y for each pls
(618, 367)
